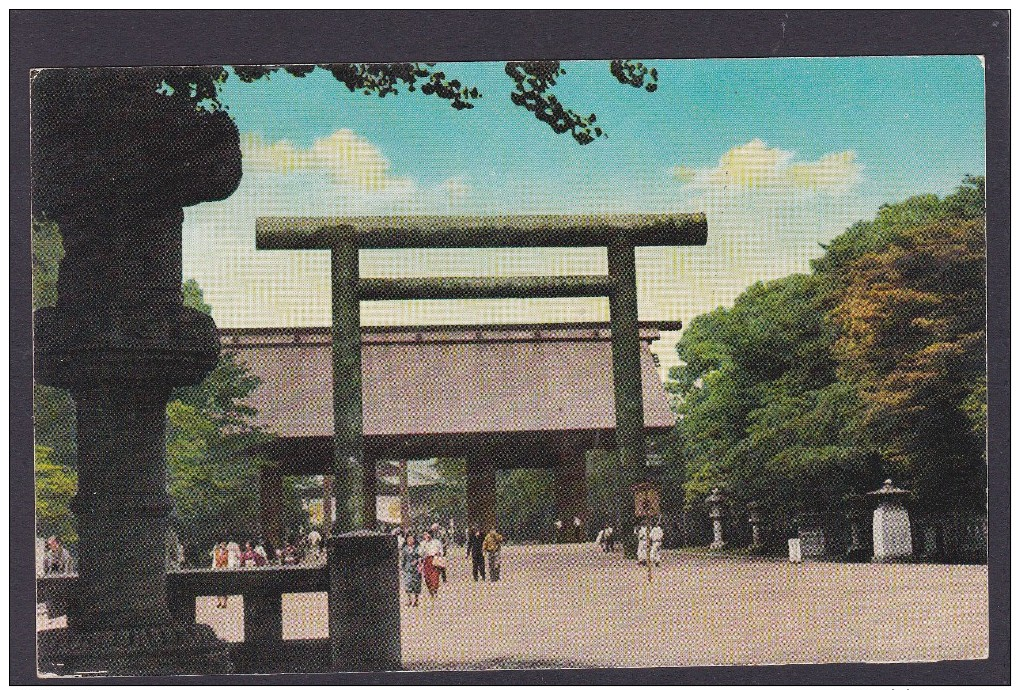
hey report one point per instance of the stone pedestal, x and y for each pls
(364, 602)
(891, 525)
(891, 533)
(165, 650)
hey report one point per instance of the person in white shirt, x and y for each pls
(655, 535)
(642, 544)
(430, 550)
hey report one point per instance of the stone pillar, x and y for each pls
(364, 601)
(263, 619)
(811, 533)
(121, 349)
(270, 503)
(571, 488)
(481, 492)
(891, 525)
(715, 508)
(113, 163)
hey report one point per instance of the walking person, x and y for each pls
(475, 553)
(655, 535)
(409, 561)
(441, 536)
(642, 544)
(429, 550)
(492, 546)
(221, 561)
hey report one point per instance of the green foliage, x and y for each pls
(213, 474)
(911, 319)
(55, 485)
(525, 503)
(448, 498)
(814, 386)
(47, 251)
(533, 82)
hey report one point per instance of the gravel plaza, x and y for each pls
(573, 606)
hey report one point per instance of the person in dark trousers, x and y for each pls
(475, 553)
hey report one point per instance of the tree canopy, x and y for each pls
(812, 387)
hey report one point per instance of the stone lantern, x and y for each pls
(754, 518)
(114, 162)
(715, 501)
(891, 524)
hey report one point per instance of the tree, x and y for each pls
(814, 386)
(911, 318)
(212, 458)
(525, 503)
(55, 485)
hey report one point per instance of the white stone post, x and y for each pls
(891, 525)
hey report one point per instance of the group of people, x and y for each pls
(425, 561)
(56, 559)
(422, 561)
(649, 542)
(480, 548)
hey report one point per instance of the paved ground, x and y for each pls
(571, 605)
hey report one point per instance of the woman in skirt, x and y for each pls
(409, 560)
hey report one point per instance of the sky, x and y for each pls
(782, 154)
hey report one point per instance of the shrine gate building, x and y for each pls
(499, 396)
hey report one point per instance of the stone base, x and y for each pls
(177, 649)
(364, 601)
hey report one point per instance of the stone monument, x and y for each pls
(114, 161)
(891, 525)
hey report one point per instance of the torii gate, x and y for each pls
(364, 602)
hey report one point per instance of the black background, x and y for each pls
(126, 38)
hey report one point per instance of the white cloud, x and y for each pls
(346, 157)
(456, 189)
(756, 166)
